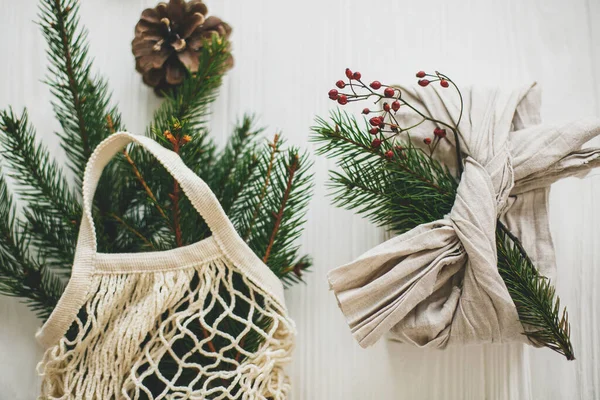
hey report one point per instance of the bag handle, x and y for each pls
(201, 197)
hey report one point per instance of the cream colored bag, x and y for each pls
(125, 318)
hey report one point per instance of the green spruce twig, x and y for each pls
(52, 211)
(21, 275)
(534, 296)
(82, 100)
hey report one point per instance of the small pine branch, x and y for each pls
(270, 210)
(82, 100)
(411, 188)
(52, 211)
(251, 203)
(82, 104)
(233, 159)
(20, 274)
(184, 112)
(534, 296)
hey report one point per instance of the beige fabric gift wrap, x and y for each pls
(438, 284)
(124, 319)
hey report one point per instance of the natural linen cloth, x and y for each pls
(438, 284)
(125, 319)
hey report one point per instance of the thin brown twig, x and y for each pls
(175, 198)
(77, 100)
(136, 171)
(454, 129)
(210, 344)
(296, 269)
(110, 124)
(132, 229)
(239, 353)
(292, 169)
(142, 182)
(264, 188)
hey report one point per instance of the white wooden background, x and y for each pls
(288, 54)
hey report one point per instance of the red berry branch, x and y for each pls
(384, 124)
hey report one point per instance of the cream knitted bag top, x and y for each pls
(204, 321)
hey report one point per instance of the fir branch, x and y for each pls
(20, 275)
(534, 296)
(187, 105)
(265, 180)
(233, 159)
(292, 168)
(402, 194)
(52, 211)
(130, 228)
(239, 179)
(136, 172)
(39, 178)
(142, 181)
(270, 210)
(82, 100)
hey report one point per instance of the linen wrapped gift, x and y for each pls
(438, 284)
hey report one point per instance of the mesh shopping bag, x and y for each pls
(204, 321)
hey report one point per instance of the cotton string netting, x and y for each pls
(438, 284)
(204, 321)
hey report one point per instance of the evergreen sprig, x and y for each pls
(52, 210)
(406, 188)
(81, 105)
(184, 112)
(236, 163)
(22, 275)
(269, 212)
(534, 296)
(82, 100)
(398, 195)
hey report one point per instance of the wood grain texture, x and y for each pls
(288, 54)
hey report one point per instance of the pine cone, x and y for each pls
(168, 40)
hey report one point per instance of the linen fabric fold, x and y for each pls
(438, 284)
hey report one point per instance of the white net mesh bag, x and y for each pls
(204, 321)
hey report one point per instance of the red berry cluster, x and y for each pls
(384, 124)
(384, 121)
(438, 134)
(423, 81)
